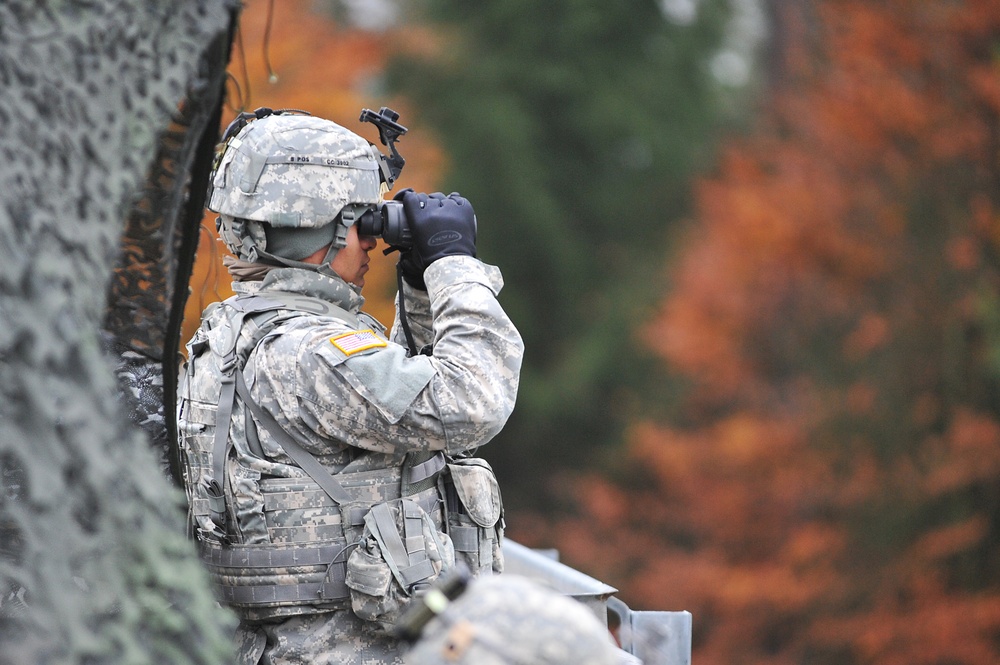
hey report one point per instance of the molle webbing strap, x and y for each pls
(236, 556)
(223, 417)
(408, 561)
(427, 468)
(333, 586)
(413, 531)
(215, 489)
(383, 528)
(353, 515)
(464, 538)
(320, 475)
(420, 471)
(349, 516)
(272, 594)
(253, 440)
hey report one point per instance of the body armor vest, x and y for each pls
(276, 537)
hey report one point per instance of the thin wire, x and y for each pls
(404, 323)
(244, 98)
(271, 76)
(239, 94)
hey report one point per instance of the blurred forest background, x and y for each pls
(754, 249)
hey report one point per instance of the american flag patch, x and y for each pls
(355, 342)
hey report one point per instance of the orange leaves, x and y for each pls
(707, 470)
(874, 88)
(808, 220)
(929, 628)
(951, 539)
(894, 79)
(872, 332)
(985, 83)
(963, 253)
(969, 452)
(321, 66)
(814, 544)
(780, 233)
(606, 504)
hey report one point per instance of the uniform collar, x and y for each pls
(293, 280)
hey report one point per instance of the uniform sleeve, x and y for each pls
(381, 400)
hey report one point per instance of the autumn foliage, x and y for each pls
(830, 492)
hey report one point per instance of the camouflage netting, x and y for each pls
(97, 97)
(149, 286)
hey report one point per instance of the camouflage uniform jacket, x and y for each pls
(352, 399)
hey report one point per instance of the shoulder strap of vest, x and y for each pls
(231, 366)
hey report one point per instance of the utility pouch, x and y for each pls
(400, 555)
(474, 514)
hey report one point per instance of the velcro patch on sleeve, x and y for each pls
(356, 342)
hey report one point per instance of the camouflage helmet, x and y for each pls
(289, 170)
(508, 619)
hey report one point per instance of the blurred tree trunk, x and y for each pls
(98, 97)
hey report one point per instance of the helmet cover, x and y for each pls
(510, 620)
(294, 171)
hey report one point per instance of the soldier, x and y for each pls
(328, 468)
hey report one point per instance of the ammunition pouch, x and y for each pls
(401, 553)
(474, 514)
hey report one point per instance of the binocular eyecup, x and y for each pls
(387, 221)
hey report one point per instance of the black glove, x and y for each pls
(440, 226)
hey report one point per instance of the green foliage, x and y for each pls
(573, 126)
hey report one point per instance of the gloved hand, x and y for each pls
(440, 226)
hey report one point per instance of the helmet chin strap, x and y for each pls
(342, 225)
(324, 268)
